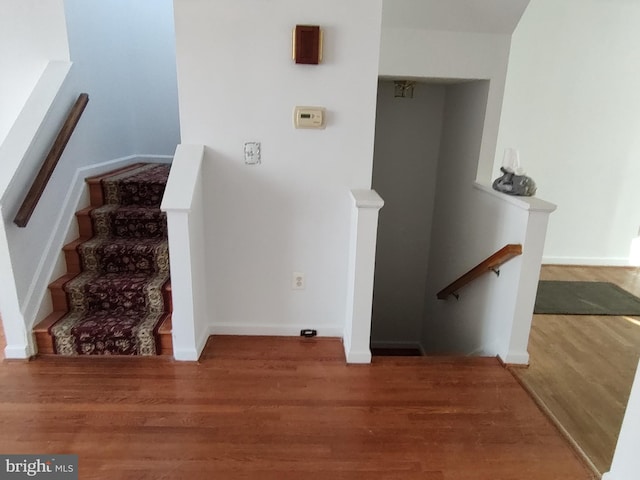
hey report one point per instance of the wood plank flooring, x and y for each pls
(582, 367)
(282, 408)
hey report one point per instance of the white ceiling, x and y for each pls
(481, 16)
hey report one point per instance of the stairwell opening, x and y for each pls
(415, 162)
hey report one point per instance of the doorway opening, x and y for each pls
(416, 159)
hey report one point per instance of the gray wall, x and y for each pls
(465, 229)
(404, 173)
(124, 57)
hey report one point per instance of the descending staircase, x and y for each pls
(116, 297)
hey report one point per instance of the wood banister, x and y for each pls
(50, 162)
(503, 255)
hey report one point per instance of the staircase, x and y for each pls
(116, 296)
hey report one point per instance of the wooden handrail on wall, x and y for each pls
(50, 162)
(503, 255)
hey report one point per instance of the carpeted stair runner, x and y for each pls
(116, 304)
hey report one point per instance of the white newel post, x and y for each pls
(626, 461)
(362, 255)
(529, 217)
(183, 204)
(537, 212)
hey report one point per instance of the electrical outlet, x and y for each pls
(297, 281)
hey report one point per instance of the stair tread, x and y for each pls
(99, 178)
(48, 322)
(60, 281)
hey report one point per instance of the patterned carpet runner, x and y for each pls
(116, 303)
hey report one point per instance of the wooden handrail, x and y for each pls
(50, 162)
(503, 255)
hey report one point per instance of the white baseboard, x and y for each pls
(587, 261)
(272, 330)
(362, 357)
(186, 354)
(17, 352)
(153, 158)
(61, 226)
(515, 358)
(351, 355)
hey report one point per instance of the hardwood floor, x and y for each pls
(282, 408)
(582, 367)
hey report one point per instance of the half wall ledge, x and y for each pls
(533, 204)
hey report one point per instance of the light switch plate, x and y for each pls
(252, 153)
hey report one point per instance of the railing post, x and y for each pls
(362, 253)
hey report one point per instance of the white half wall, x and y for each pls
(493, 315)
(183, 202)
(32, 33)
(572, 108)
(238, 83)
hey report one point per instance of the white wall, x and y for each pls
(572, 107)
(238, 83)
(462, 232)
(32, 32)
(437, 44)
(405, 161)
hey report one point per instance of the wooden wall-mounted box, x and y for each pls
(307, 44)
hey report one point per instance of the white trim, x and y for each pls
(533, 204)
(346, 342)
(150, 158)
(202, 341)
(45, 271)
(178, 195)
(367, 199)
(587, 261)
(272, 330)
(515, 358)
(186, 355)
(17, 352)
(358, 357)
